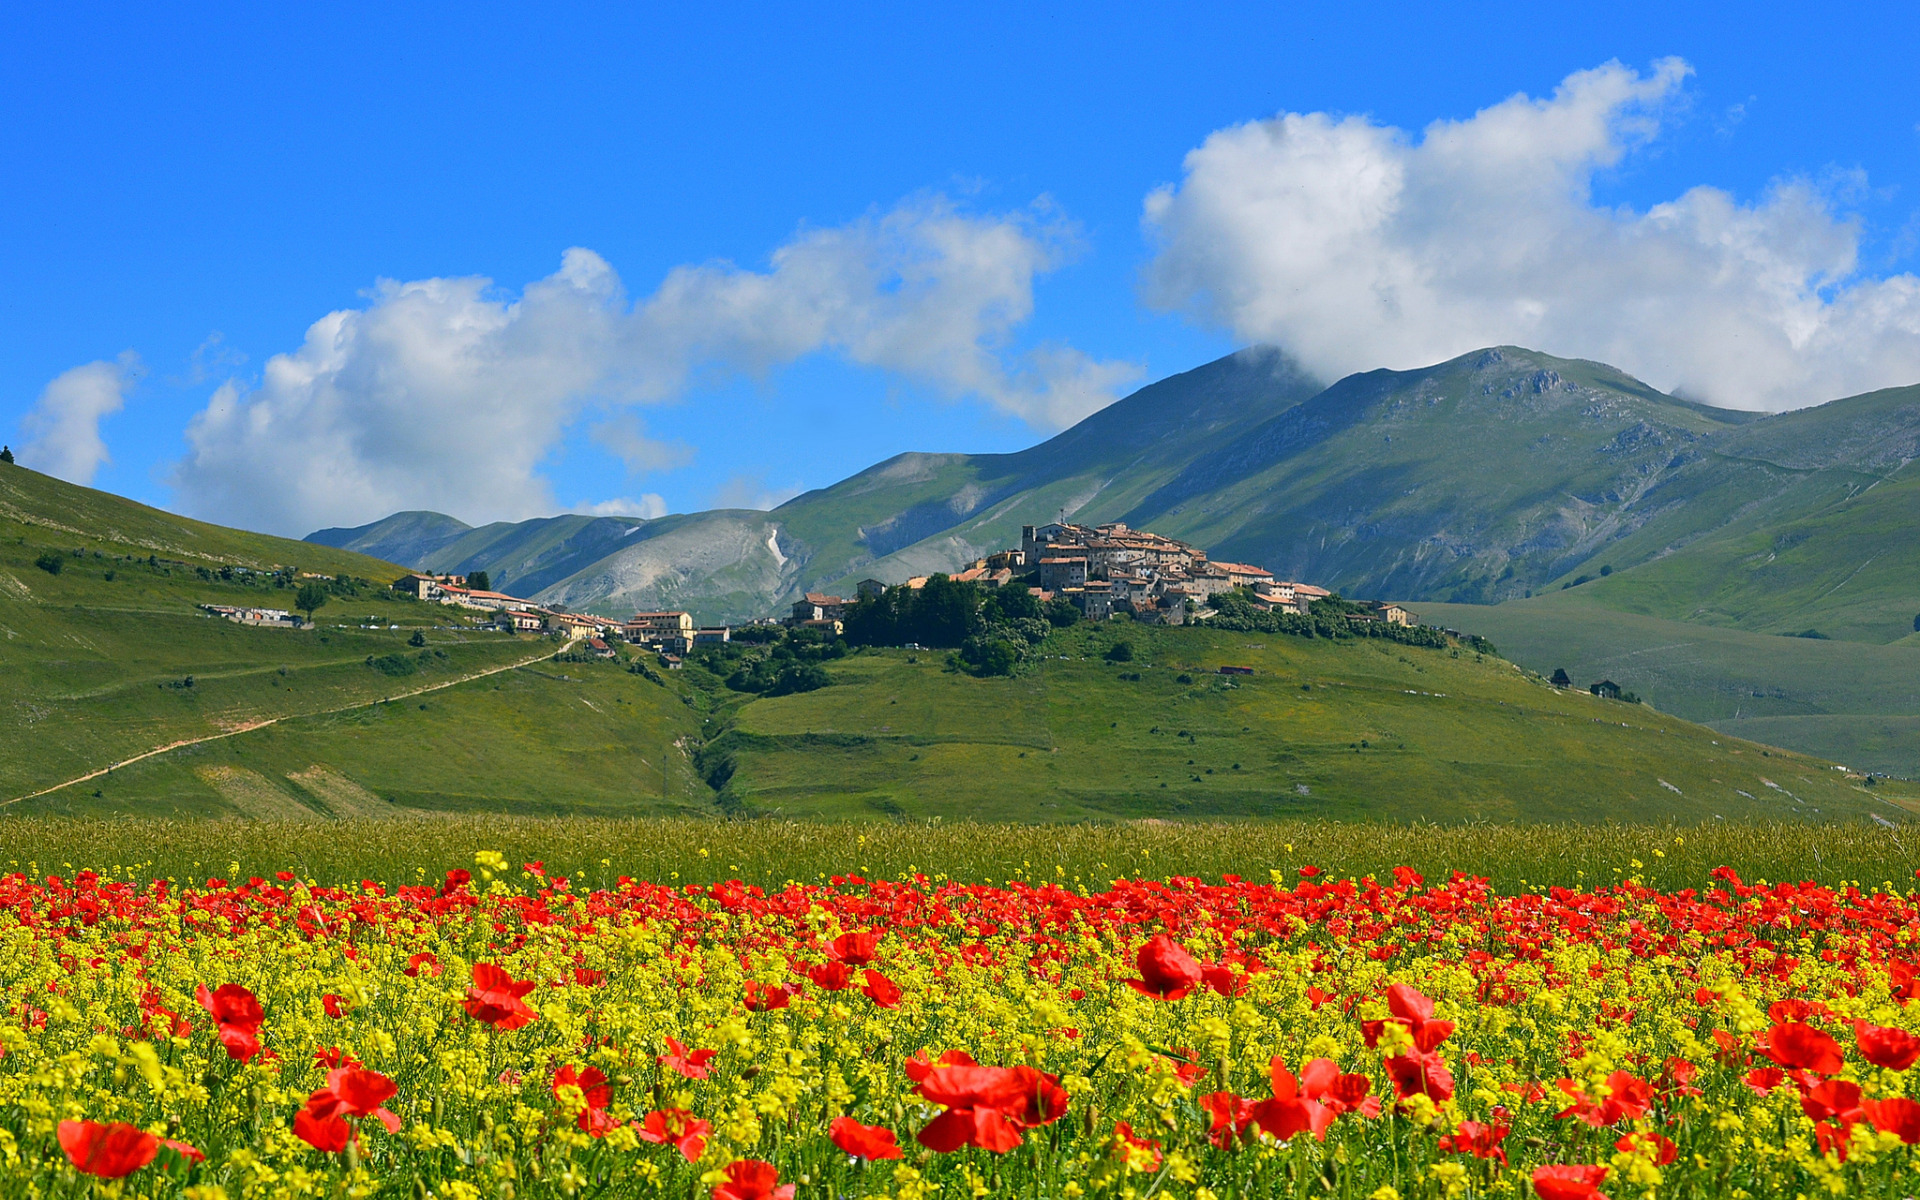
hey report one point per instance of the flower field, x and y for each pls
(507, 1032)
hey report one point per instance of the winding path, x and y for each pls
(250, 726)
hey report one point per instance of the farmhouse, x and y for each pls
(818, 606)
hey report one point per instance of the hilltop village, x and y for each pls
(1099, 570)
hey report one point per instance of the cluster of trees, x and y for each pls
(767, 660)
(992, 629)
(1333, 617)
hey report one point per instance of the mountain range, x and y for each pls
(1490, 477)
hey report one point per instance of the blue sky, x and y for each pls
(962, 206)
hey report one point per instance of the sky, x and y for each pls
(288, 268)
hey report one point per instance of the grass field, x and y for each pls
(1852, 702)
(597, 851)
(1358, 730)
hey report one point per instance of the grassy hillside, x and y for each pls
(1349, 730)
(1852, 702)
(95, 659)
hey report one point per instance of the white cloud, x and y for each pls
(751, 491)
(444, 394)
(63, 428)
(1356, 245)
(646, 507)
(626, 436)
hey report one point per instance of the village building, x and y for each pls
(1059, 572)
(713, 635)
(818, 606)
(270, 617)
(599, 648)
(520, 620)
(648, 628)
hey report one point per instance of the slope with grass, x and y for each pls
(104, 654)
(1362, 730)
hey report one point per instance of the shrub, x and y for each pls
(1120, 652)
(51, 562)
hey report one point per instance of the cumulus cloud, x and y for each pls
(646, 507)
(752, 491)
(63, 427)
(1357, 245)
(446, 394)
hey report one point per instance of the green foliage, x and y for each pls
(1120, 652)
(311, 598)
(418, 639)
(393, 664)
(479, 581)
(51, 562)
(940, 613)
(6, 455)
(1330, 619)
(1062, 614)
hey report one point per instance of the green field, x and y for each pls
(597, 851)
(1353, 729)
(1852, 702)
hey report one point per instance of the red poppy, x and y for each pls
(1479, 1140)
(237, 1016)
(1123, 1135)
(751, 1179)
(1167, 971)
(1899, 1116)
(356, 1092)
(678, 1128)
(109, 1150)
(1764, 1079)
(1231, 1116)
(765, 997)
(1289, 1112)
(831, 976)
(988, 1106)
(333, 1057)
(1628, 1099)
(1426, 1074)
(919, 1066)
(595, 1090)
(495, 998)
(588, 977)
(682, 1061)
(1661, 1150)
(425, 960)
(1224, 980)
(1895, 1049)
(1412, 1009)
(881, 990)
(863, 1141)
(1322, 1080)
(329, 1133)
(1569, 1181)
(855, 949)
(335, 1006)
(1833, 1100)
(1794, 1045)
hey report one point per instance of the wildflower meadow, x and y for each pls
(508, 1032)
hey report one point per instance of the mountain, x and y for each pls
(1489, 477)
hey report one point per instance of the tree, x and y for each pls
(1120, 652)
(418, 639)
(51, 562)
(6, 454)
(479, 581)
(311, 598)
(1561, 678)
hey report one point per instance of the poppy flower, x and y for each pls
(881, 990)
(918, 1067)
(863, 1141)
(1569, 1181)
(334, 1006)
(855, 949)
(682, 1061)
(1898, 1116)
(333, 1057)
(1794, 1045)
(423, 961)
(1414, 1010)
(329, 1134)
(1167, 971)
(1764, 1079)
(1894, 1049)
(237, 1016)
(356, 1092)
(1652, 1146)
(109, 1150)
(1223, 979)
(588, 977)
(765, 997)
(988, 1106)
(1289, 1112)
(1123, 1135)
(830, 976)
(751, 1179)
(1426, 1074)
(1323, 1081)
(495, 998)
(1478, 1139)
(1833, 1100)
(1628, 1099)
(595, 1093)
(678, 1128)
(1229, 1116)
